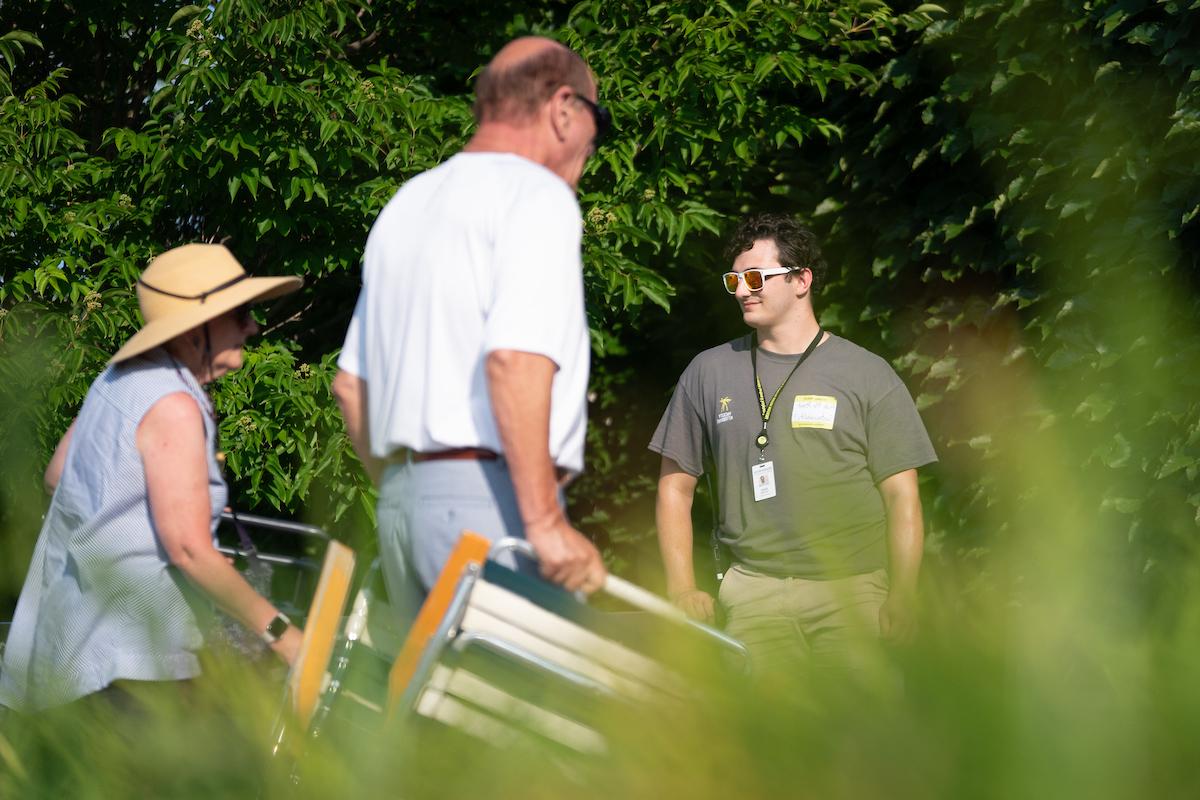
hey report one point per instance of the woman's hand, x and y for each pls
(288, 646)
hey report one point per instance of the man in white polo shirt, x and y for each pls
(463, 378)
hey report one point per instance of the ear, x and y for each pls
(802, 280)
(560, 113)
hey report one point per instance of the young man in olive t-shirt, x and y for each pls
(816, 444)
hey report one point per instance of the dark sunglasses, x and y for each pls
(243, 314)
(600, 116)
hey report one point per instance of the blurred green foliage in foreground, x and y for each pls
(1051, 695)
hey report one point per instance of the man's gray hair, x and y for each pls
(515, 94)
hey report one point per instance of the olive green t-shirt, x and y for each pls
(842, 424)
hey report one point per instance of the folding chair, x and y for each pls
(308, 674)
(354, 692)
(505, 658)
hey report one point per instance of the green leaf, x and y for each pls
(25, 37)
(184, 13)
(763, 68)
(307, 158)
(1096, 406)
(250, 178)
(1176, 462)
(656, 297)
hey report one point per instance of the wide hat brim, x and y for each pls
(184, 315)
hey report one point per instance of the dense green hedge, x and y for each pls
(281, 129)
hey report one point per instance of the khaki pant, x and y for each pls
(797, 629)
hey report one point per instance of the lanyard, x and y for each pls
(761, 441)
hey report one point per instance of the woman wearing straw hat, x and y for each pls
(126, 549)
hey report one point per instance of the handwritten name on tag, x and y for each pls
(814, 411)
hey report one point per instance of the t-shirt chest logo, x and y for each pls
(724, 414)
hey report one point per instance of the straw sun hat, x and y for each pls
(190, 285)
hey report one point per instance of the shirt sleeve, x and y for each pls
(680, 432)
(896, 436)
(537, 299)
(353, 358)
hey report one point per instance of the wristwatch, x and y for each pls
(276, 628)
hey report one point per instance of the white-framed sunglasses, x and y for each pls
(754, 278)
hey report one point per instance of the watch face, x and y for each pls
(277, 627)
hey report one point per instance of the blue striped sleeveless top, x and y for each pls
(101, 601)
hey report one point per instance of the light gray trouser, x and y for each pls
(423, 509)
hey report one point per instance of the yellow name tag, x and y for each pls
(814, 411)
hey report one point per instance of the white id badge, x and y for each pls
(763, 477)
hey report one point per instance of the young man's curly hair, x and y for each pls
(797, 245)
